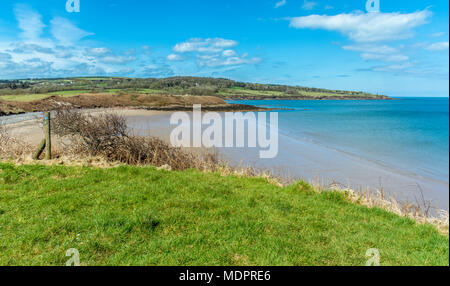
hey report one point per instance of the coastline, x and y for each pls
(316, 163)
(300, 97)
(297, 159)
(159, 102)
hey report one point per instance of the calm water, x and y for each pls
(409, 134)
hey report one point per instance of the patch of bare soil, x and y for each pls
(104, 100)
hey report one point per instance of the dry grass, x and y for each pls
(421, 210)
(11, 148)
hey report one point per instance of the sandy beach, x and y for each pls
(296, 159)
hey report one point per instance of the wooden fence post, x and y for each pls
(48, 138)
(39, 150)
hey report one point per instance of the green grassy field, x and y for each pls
(141, 216)
(32, 97)
(69, 93)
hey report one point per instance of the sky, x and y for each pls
(400, 50)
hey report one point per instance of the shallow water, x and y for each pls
(410, 134)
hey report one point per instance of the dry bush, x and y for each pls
(153, 151)
(4, 137)
(11, 148)
(96, 134)
(106, 135)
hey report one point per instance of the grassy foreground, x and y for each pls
(142, 216)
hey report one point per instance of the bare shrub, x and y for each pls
(11, 148)
(106, 135)
(96, 134)
(4, 136)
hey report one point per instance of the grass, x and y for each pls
(69, 93)
(152, 91)
(33, 97)
(142, 216)
(241, 91)
(238, 91)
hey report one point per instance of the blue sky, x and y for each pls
(401, 51)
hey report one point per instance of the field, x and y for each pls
(30, 90)
(39, 96)
(142, 216)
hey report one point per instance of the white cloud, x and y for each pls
(114, 59)
(99, 51)
(157, 71)
(174, 57)
(57, 55)
(384, 53)
(66, 32)
(365, 27)
(442, 46)
(211, 45)
(29, 22)
(23, 48)
(212, 53)
(384, 58)
(229, 53)
(308, 5)
(394, 67)
(60, 52)
(214, 61)
(281, 3)
(370, 48)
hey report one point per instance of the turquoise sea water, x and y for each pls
(407, 134)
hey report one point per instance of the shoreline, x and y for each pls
(245, 97)
(161, 102)
(302, 159)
